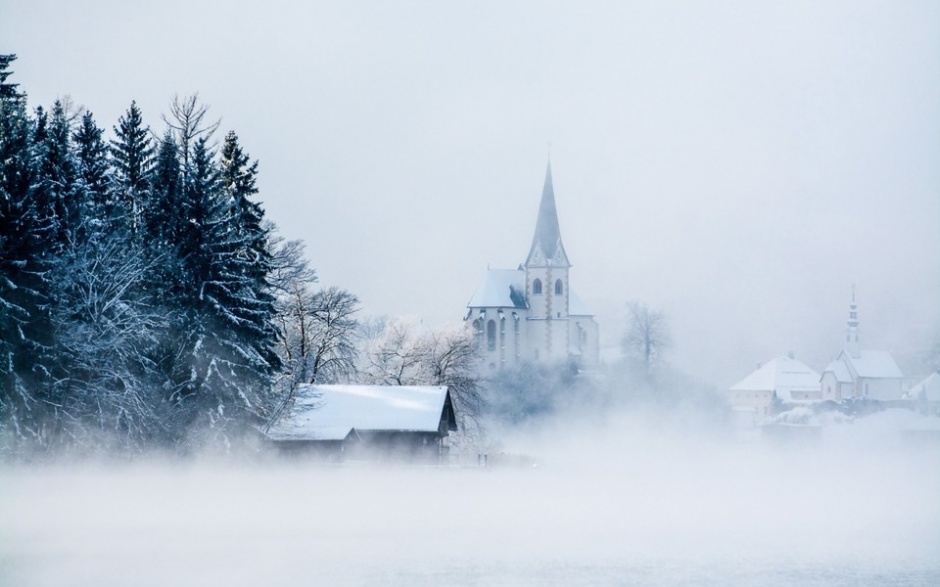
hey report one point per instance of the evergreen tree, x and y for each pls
(167, 214)
(25, 230)
(8, 92)
(132, 160)
(55, 181)
(239, 181)
(135, 300)
(226, 318)
(93, 168)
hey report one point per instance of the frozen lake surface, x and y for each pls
(673, 514)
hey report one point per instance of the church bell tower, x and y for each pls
(546, 275)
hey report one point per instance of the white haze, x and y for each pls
(633, 501)
(738, 164)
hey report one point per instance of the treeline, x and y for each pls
(146, 303)
(138, 303)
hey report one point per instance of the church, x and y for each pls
(531, 313)
(858, 373)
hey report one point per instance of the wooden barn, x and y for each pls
(366, 422)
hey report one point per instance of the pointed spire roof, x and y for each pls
(547, 248)
(851, 331)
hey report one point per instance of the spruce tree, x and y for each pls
(55, 182)
(93, 168)
(166, 214)
(226, 316)
(7, 91)
(25, 296)
(239, 181)
(132, 160)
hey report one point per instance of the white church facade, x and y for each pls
(531, 313)
(860, 374)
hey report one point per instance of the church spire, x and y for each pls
(547, 249)
(851, 331)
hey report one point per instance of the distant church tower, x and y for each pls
(546, 278)
(851, 331)
(530, 313)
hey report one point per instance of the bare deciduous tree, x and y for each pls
(317, 329)
(647, 335)
(186, 124)
(105, 329)
(400, 353)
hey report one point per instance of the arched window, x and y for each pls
(537, 287)
(559, 287)
(491, 335)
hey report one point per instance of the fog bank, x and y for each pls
(624, 507)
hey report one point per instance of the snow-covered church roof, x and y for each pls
(501, 288)
(505, 288)
(331, 412)
(873, 364)
(839, 370)
(782, 375)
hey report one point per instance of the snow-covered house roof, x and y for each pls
(839, 371)
(872, 364)
(332, 412)
(782, 375)
(928, 389)
(501, 288)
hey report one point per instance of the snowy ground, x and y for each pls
(627, 509)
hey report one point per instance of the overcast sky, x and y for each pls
(738, 164)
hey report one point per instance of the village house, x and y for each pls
(532, 313)
(784, 379)
(340, 422)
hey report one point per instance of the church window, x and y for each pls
(491, 335)
(537, 287)
(559, 287)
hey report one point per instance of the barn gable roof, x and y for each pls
(332, 412)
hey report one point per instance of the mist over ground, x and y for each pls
(633, 498)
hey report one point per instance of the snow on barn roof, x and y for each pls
(928, 389)
(331, 412)
(502, 288)
(840, 371)
(873, 364)
(781, 375)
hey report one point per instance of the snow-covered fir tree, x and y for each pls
(25, 325)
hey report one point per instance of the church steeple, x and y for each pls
(851, 331)
(547, 249)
